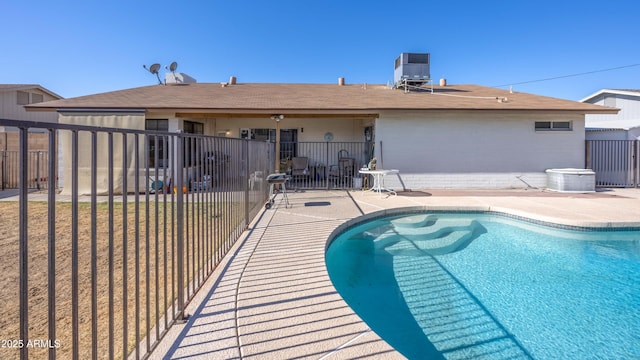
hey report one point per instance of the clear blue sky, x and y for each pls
(77, 48)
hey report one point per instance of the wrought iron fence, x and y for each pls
(615, 162)
(105, 267)
(37, 162)
(325, 165)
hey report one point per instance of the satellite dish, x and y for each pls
(173, 66)
(154, 70)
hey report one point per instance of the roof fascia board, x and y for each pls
(604, 110)
(610, 91)
(269, 112)
(104, 110)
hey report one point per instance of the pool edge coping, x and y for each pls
(488, 210)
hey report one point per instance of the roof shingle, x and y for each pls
(241, 97)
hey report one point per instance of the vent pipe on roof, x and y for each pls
(232, 80)
(443, 82)
(341, 81)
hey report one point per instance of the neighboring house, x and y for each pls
(446, 136)
(616, 162)
(624, 125)
(13, 99)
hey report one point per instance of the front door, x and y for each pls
(288, 142)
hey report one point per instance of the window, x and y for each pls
(157, 125)
(553, 126)
(159, 142)
(36, 98)
(263, 134)
(23, 98)
(191, 127)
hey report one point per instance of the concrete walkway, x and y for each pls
(272, 298)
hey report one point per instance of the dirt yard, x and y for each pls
(149, 271)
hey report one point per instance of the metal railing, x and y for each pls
(104, 268)
(37, 170)
(615, 162)
(329, 164)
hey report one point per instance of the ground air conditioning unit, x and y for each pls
(412, 68)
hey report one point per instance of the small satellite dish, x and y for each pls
(154, 70)
(173, 66)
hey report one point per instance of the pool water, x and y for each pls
(469, 286)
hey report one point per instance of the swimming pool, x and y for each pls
(474, 285)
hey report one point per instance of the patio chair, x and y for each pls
(300, 168)
(342, 173)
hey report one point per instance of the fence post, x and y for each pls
(38, 169)
(3, 169)
(636, 163)
(180, 223)
(327, 169)
(23, 245)
(51, 223)
(245, 155)
(587, 155)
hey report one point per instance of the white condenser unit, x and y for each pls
(412, 68)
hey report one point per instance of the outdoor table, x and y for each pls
(378, 179)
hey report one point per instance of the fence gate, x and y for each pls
(615, 162)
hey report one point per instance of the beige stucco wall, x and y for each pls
(437, 149)
(475, 149)
(113, 120)
(309, 129)
(9, 108)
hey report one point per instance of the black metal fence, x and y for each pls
(104, 268)
(325, 165)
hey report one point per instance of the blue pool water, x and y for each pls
(469, 286)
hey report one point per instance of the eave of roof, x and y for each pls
(628, 92)
(20, 87)
(315, 98)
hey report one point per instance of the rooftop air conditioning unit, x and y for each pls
(412, 68)
(178, 78)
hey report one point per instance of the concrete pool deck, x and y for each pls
(271, 297)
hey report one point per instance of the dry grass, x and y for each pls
(151, 273)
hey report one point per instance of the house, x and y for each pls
(13, 98)
(613, 138)
(624, 125)
(437, 136)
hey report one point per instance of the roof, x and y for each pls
(313, 98)
(628, 92)
(21, 87)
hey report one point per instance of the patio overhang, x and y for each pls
(269, 113)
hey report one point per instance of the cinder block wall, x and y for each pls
(10, 141)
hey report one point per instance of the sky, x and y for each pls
(562, 49)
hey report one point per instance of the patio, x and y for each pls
(271, 297)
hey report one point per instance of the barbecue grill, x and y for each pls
(272, 180)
